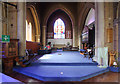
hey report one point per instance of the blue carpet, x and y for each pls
(114, 69)
(60, 73)
(64, 57)
(62, 66)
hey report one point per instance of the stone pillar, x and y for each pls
(80, 41)
(44, 35)
(115, 35)
(119, 34)
(0, 38)
(37, 38)
(21, 27)
(96, 32)
(75, 36)
(100, 24)
(99, 27)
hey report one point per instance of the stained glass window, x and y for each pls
(59, 29)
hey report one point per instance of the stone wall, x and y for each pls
(12, 21)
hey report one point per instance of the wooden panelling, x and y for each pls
(33, 46)
(110, 35)
(10, 49)
(7, 65)
(9, 52)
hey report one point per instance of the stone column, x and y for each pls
(21, 27)
(80, 41)
(99, 27)
(0, 38)
(119, 34)
(75, 36)
(44, 35)
(115, 33)
(100, 24)
(37, 38)
(96, 31)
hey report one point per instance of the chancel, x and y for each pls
(59, 42)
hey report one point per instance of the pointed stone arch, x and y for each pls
(84, 12)
(61, 7)
(48, 14)
(37, 22)
(82, 18)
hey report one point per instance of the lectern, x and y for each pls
(9, 52)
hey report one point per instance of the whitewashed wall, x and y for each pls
(60, 41)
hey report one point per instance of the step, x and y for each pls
(26, 64)
(61, 73)
(67, 64)
(23, 60)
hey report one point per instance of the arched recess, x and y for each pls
(81, 24)
(36, 21)
(82, 18)
(57, 7)
(68, 28)
(48, 14)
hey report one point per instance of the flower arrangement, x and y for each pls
(68, 43)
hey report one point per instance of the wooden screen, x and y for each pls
(109, 35)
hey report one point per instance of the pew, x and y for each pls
(32, 49)
(34, 46)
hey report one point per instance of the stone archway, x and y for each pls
(100, 31)
(52, 10)
(61, 7)
(37, 23)
(81, 21)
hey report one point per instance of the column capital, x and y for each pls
(37, 35)
(44, 26)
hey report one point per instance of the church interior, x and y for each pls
(59, 42)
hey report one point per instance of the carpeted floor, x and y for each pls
(7, 79)
(62, 66)
(64, 57)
